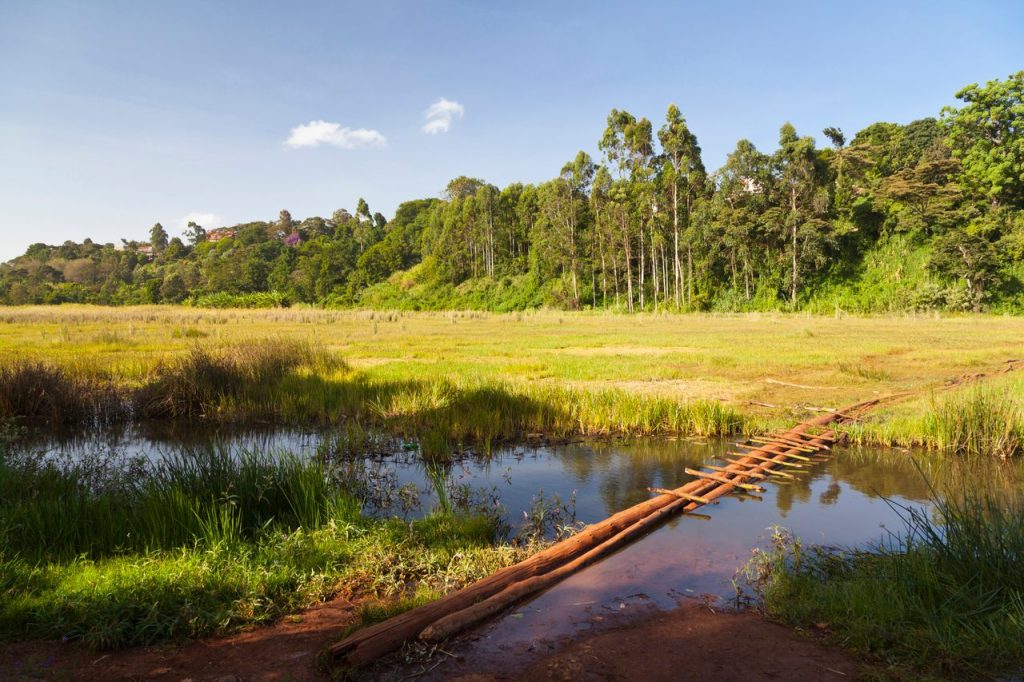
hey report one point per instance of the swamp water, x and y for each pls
(846, 501)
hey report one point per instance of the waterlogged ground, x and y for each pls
(851, 500)
(846, 501)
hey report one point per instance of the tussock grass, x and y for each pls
(38, 390)
(202, 381)
(286, 381)
(981, 420)
(944, 597)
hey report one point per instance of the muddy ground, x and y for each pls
(693, 641)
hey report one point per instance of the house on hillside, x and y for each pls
(144, 250)
(220, 233)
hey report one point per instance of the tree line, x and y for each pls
(925, 215)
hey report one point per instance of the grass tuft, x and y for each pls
(944, 597)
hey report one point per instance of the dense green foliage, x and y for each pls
(925, 215)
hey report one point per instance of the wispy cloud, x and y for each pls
(441, 114)
(316, 133)
(207, 220)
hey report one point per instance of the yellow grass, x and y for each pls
(736, 358)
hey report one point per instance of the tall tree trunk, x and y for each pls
(655, 282)
(604, 274)
(677, 270)
(689, 274)
(792, 206)
(629, 266)
(642, 267)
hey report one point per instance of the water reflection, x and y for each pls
(605, 476)
(843, 501)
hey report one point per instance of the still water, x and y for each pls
(845, 501)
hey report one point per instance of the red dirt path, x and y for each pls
(691, 642)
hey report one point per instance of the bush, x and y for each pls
(222, 299)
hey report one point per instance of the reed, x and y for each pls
(99, 508)
(980, 420)
(40, 390)
(944, 597)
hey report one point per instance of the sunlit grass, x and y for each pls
(767, 368)
(114, 553)
(942, 597)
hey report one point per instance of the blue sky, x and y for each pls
(115, 115)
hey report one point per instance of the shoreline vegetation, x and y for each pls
(942, 596)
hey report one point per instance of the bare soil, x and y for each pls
(690, 642)
(287, 650)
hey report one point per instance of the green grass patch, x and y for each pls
(944, 597)
(115, 553)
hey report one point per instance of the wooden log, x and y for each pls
(686, 496)
(382, 638)
(482, 610)
(723, 480)
(379, 639)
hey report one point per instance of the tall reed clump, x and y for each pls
(242, 377)
(59, 395)
(978, 421)
(102, 508)
(945, 596)
(487, 412)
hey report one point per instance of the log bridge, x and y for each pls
(784, 455)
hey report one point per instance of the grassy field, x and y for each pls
(605, 372)
(248, 541)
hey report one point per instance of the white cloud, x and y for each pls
(440, 115)
(207, 220)
(316, 133)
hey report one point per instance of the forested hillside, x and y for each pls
(916, 216)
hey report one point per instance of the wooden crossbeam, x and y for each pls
(722, 479)
(803, 434)
(770, 472)
(733, 471)
(685, 496)
(786, 443)
(795, 465)
(781, 445)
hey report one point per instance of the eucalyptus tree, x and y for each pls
(194, 233)
(628, 147)
(743, 187)
(604, 234)
(158, 238)
(801, 185)
(485, 203)
(683, 172)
